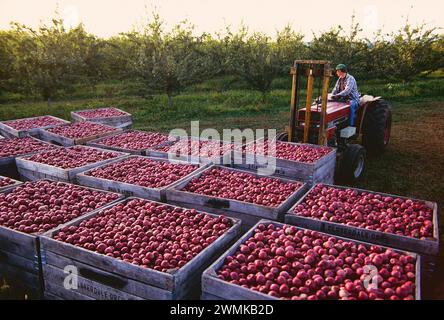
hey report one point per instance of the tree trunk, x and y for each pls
(170, 99)
(264, 96)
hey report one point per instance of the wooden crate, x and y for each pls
(30, 170)
(11, 159)
(249, 213)
(214, 288)
(144, 152)
(8, 165)
(322, 170)
(128, 189)
(10, 132)
(218, 159)
(68, 142)
(123, 122)
(103, 277)
(429, 247)
(20, 257)
(15, 184)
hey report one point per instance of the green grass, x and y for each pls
(412, 166)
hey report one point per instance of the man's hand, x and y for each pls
(334, 97)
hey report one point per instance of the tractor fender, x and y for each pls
(365, 102)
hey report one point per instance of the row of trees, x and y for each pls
(52, 58)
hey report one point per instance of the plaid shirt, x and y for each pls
(347, 88)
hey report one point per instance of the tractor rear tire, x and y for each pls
(377, 127)
(352, 164)
(282, 136)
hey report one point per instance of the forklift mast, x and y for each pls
(315, 70)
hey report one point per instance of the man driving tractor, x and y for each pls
(346, 89)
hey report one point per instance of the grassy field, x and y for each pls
(412, 166)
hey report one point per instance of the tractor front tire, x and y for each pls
(282, 136)
(377, 127)
(352, 164)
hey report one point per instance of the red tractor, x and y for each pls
(328, 120)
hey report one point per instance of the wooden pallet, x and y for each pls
(20, 256)
(249, 213)
(322, 170)
(144, 152)
(103, 277)
(68, 142)
(10, 132)
(429, 247)
(123, 122)
(128, 189)
(30, 170)
(213, 287)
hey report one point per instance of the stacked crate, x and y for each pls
(248, 212)
(215, 288)
(320, 170)
(28, 126)
(20, 254)
(121, 119)
(101, 277)
(134, 189)
(427, 248)
(33, 170)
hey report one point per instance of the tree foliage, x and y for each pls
(168, 61)
(52, 60)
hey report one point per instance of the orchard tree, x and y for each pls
(338, 47)
(407, 52)
(7, 58)
(168, 61)
(49, 59)
(254, 58)
(290, 46)
(119, 53)
(413, 47)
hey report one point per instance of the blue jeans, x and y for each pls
(353, 107)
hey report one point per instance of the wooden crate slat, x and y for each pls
(17, 242)
(64, 294)
(28, 280)
(378, 237)
(86, 286)
(126, 285)
(49, 296)
(209, 296)
(213, 285)
(19, 261)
